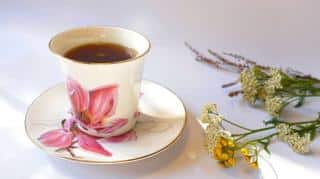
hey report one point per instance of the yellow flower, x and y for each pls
(254, 165)
(250, 154)
(223, 151)
(229, 163)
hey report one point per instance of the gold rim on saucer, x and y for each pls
(95, 162)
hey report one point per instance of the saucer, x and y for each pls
(161, 121)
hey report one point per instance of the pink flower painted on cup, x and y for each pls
(91, 108)
(94, 106)
(113, 126)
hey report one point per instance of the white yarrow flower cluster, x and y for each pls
(299, 144)
(209, 108)
(274, 105)
(213, 134)
(283, 131)
(210, 115)
(273, 83)
(205, 118)
(213, 128)
(250, 85)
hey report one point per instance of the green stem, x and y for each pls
(308, 128)
(232, 123)
(303, 122)
(237, 125)
(243, 135)
(311, 95)
(289, 101)
(257, 140)
(297, 98)
(293, 92)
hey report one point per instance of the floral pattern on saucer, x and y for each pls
(160, 122)
(70, 137)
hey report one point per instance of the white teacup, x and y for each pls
(104, 96)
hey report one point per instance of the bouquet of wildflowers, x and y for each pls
(227, 147)
(274, 87)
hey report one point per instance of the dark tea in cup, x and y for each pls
(100, 53)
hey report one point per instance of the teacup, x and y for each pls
(104, 96)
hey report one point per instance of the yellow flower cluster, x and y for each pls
(219, 142)
(224, 151)
(250, 155)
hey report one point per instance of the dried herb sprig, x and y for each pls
(274, 87)
(238, 63)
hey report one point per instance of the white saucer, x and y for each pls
(162, 120)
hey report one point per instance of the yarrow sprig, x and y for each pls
(227, 147)
(274, 87)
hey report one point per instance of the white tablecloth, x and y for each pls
(282, 33)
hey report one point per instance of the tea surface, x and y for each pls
(100, 53)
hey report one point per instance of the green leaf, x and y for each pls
(265, 144)
(300, 102)
(267, 149)
(313, 134)
(273, 121)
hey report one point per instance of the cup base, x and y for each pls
(120, 127)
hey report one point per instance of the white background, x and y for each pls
(281, 33)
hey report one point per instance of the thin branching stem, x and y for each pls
(235, 93)
(268, 137)
(237, 125)
(242, 64)
(230, 84)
